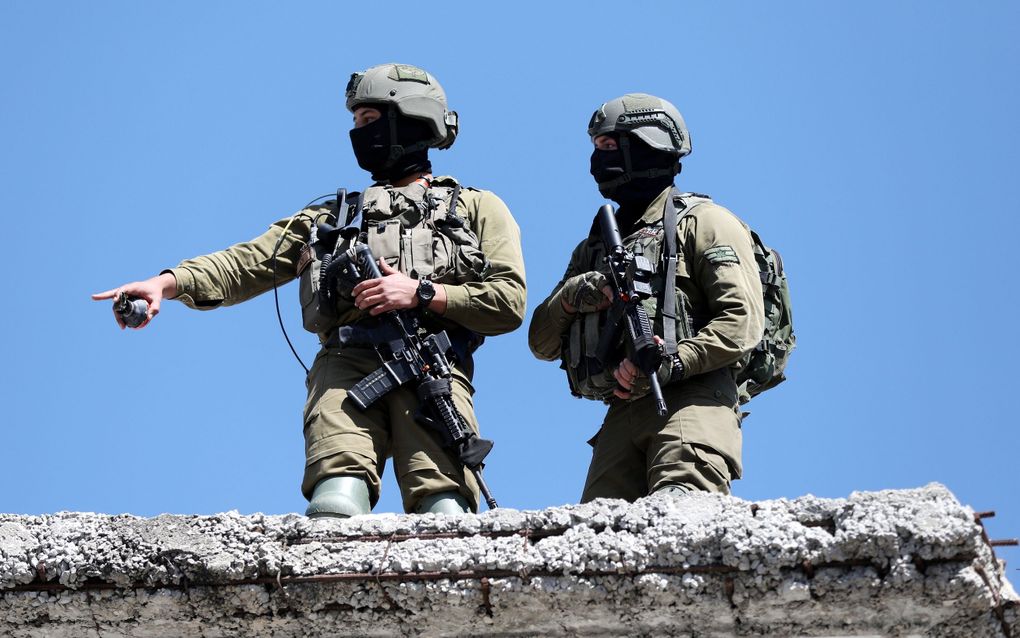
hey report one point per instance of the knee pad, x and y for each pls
(339, 497)
(444, 503)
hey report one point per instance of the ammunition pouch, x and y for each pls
(588, 358)
(437, 245)
(590, 375)
(318, 313)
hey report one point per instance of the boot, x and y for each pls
(444, 503)
(339, 497)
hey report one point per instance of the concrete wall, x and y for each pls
(895, 563)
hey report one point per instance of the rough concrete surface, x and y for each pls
(894, 563)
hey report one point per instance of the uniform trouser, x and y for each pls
(342, 439)
(697, 443)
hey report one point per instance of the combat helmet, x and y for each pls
(409, 91)
(654, 121)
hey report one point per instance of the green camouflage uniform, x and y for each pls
(698, 442)
(339, 437)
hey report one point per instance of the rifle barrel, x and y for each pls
(610, 230)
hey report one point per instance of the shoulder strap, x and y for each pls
(452, 208)
(669, 230)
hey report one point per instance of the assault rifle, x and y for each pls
(407, 354)
(630, 277)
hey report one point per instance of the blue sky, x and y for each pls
(874, 144)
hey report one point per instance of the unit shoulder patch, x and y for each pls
(722, 255)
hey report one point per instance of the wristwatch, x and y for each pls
(426, 293)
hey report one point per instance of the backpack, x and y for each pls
(764, 367)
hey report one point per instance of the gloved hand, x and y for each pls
(587, 292)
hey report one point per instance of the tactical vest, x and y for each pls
(422, 239)
(761, 369)
(593, 379)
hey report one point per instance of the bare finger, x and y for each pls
(623, 379)
(365, 285)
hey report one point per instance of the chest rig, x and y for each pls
(415, 229)
(669, 309)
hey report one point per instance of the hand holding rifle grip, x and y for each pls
(646, 354)
(411, 357)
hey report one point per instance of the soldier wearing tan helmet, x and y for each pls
(450, 253)
(714, 319)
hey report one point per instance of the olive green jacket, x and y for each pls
(716, 271)
(492, 306)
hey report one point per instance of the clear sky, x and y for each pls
(874, 144)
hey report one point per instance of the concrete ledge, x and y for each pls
(894, 563)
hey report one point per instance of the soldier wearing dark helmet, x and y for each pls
(450, 253)
(706, 311)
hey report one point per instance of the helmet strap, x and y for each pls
(396, 150)
(628, 167)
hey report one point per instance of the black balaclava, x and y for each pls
(633, 195)
(373, 144)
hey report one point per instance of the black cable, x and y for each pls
(276, 294)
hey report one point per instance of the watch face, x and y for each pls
(426, 291)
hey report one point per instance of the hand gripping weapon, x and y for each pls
(409, 354)
(630, 277)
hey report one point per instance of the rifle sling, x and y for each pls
(669, 231)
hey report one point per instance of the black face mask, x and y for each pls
(609, 166)
(372, 147)
(606, 165)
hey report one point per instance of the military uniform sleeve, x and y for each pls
(550, 320)
(244, 270)
(496, 304)
(723, 266)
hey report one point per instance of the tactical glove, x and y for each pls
(584, 291)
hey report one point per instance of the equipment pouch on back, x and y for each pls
(765, 366)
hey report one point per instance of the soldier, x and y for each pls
(717, 316)
(451, 253)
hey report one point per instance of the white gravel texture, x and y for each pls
(895, 563)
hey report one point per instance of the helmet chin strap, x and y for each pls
(396, 150)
